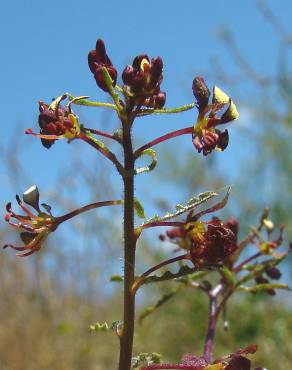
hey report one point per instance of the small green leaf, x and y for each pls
(115, 326)
(228, 275)
(139, 208)
(146, 359)
(151, 153)
(168, 275)
(100, 327)
(100, 143)
(117, 278)
(180, 209)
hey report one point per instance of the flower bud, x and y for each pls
(269, 225)
(201, 92)
(97, 60)
(274, 273)
(159, 99)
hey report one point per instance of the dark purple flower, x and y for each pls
(210, 245)
(55, 122)
(142, 81)
(98, 59)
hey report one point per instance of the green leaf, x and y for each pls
(117, 278)
(150, 309)
(151, 153)
(168, 275)
(146, 359)
(115, 326)
(100, 327)
(182, 208)
(100, 143)
(228, 275)
(139, 208)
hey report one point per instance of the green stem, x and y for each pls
(183, 108)
(88, 103)
(126, 339)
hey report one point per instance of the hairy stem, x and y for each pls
(126, 339)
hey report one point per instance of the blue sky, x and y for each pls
(44, 54)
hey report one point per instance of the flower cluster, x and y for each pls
(208, 243)
(97, 60)
(234, 361)
(206, 137)
(56, 122)
(142, 81)
(35, 228)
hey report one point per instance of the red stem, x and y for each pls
(164, 263)
(163, 223)
(86, 208)
(101, 133)
(212, 321)
(170, 135)
(237, 268)
(214, 312)
(142, 277)
(108, 154)
(171, 367)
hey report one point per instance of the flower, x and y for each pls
(207, 242)
(56, 122)
(35, 228)
(234, 361)
(98, 59)
(206, 137)
(211, 242)
(142, 81)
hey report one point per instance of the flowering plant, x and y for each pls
(209, 253)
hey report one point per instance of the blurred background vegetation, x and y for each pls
(49, 301)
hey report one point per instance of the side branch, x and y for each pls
(104, 151)
(183, 108)
(87, 208)
(139, 281)
(101, 133)
(170, 135)
(160, 223)
(89, 103)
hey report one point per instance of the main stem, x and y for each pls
(126, 339)
(214, 313)
(212, 322)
